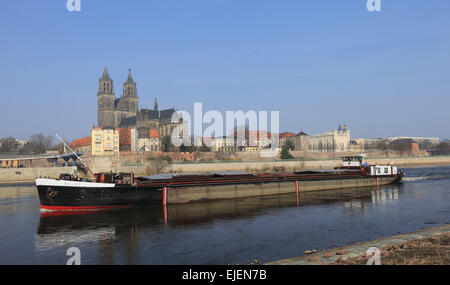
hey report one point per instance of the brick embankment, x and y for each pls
(429, 246)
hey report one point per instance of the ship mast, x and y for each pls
(82, 161)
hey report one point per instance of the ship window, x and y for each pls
(378, 170)
(386, 170)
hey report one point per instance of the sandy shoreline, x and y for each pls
(428, 246)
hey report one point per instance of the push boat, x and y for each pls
(112, 190)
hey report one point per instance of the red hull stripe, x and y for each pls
(80, 208)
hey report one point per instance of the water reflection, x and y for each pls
(386, 195)
(120, 230)
(13, 196)
(9, 191)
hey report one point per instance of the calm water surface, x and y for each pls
(226, 232)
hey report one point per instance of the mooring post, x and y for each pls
(296, 191)
(164, 201)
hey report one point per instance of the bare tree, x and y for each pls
(426, 144)
(225, 154)
(166, 144)
(156, 165)
(9, 145)
(38, 143)
(384, 146)
(289, 144)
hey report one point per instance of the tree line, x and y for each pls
(36, 144)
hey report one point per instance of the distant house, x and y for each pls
(105, 141)
(81, 145)
(438, 151)
(301, 141)
(405, 146)
(149, 141)
(334, 141)
(284, 137)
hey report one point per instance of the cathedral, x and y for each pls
(123, 112)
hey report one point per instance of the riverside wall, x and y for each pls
(22, 175)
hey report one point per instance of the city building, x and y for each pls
(422, 141)
(224, 144)
(301, 141)
(105, 141)
(124, 112)
(407, 146)
(127, 139)
(334, 141)
(286, 136)
(150, 141)
(357, 145)
(439, 151)
(256, 140)
(81, 145)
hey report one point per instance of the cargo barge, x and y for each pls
(119, 190)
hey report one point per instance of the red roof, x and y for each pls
(154, 134)
(286, 135)
(81, 142)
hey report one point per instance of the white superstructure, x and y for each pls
(377, 170)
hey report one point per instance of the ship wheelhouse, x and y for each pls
(354, 161)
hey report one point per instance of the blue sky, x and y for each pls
(318, 62)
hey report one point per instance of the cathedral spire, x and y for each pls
(105, 83)
(105, 73)
(130, 77)
(155, 105)
(129, 87)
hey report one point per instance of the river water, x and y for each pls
(225, 232)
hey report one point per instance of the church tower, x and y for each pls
(130, 94)
(105, 101)
(155, 105)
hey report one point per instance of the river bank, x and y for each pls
(429, 246)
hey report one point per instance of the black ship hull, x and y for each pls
(69, 195)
